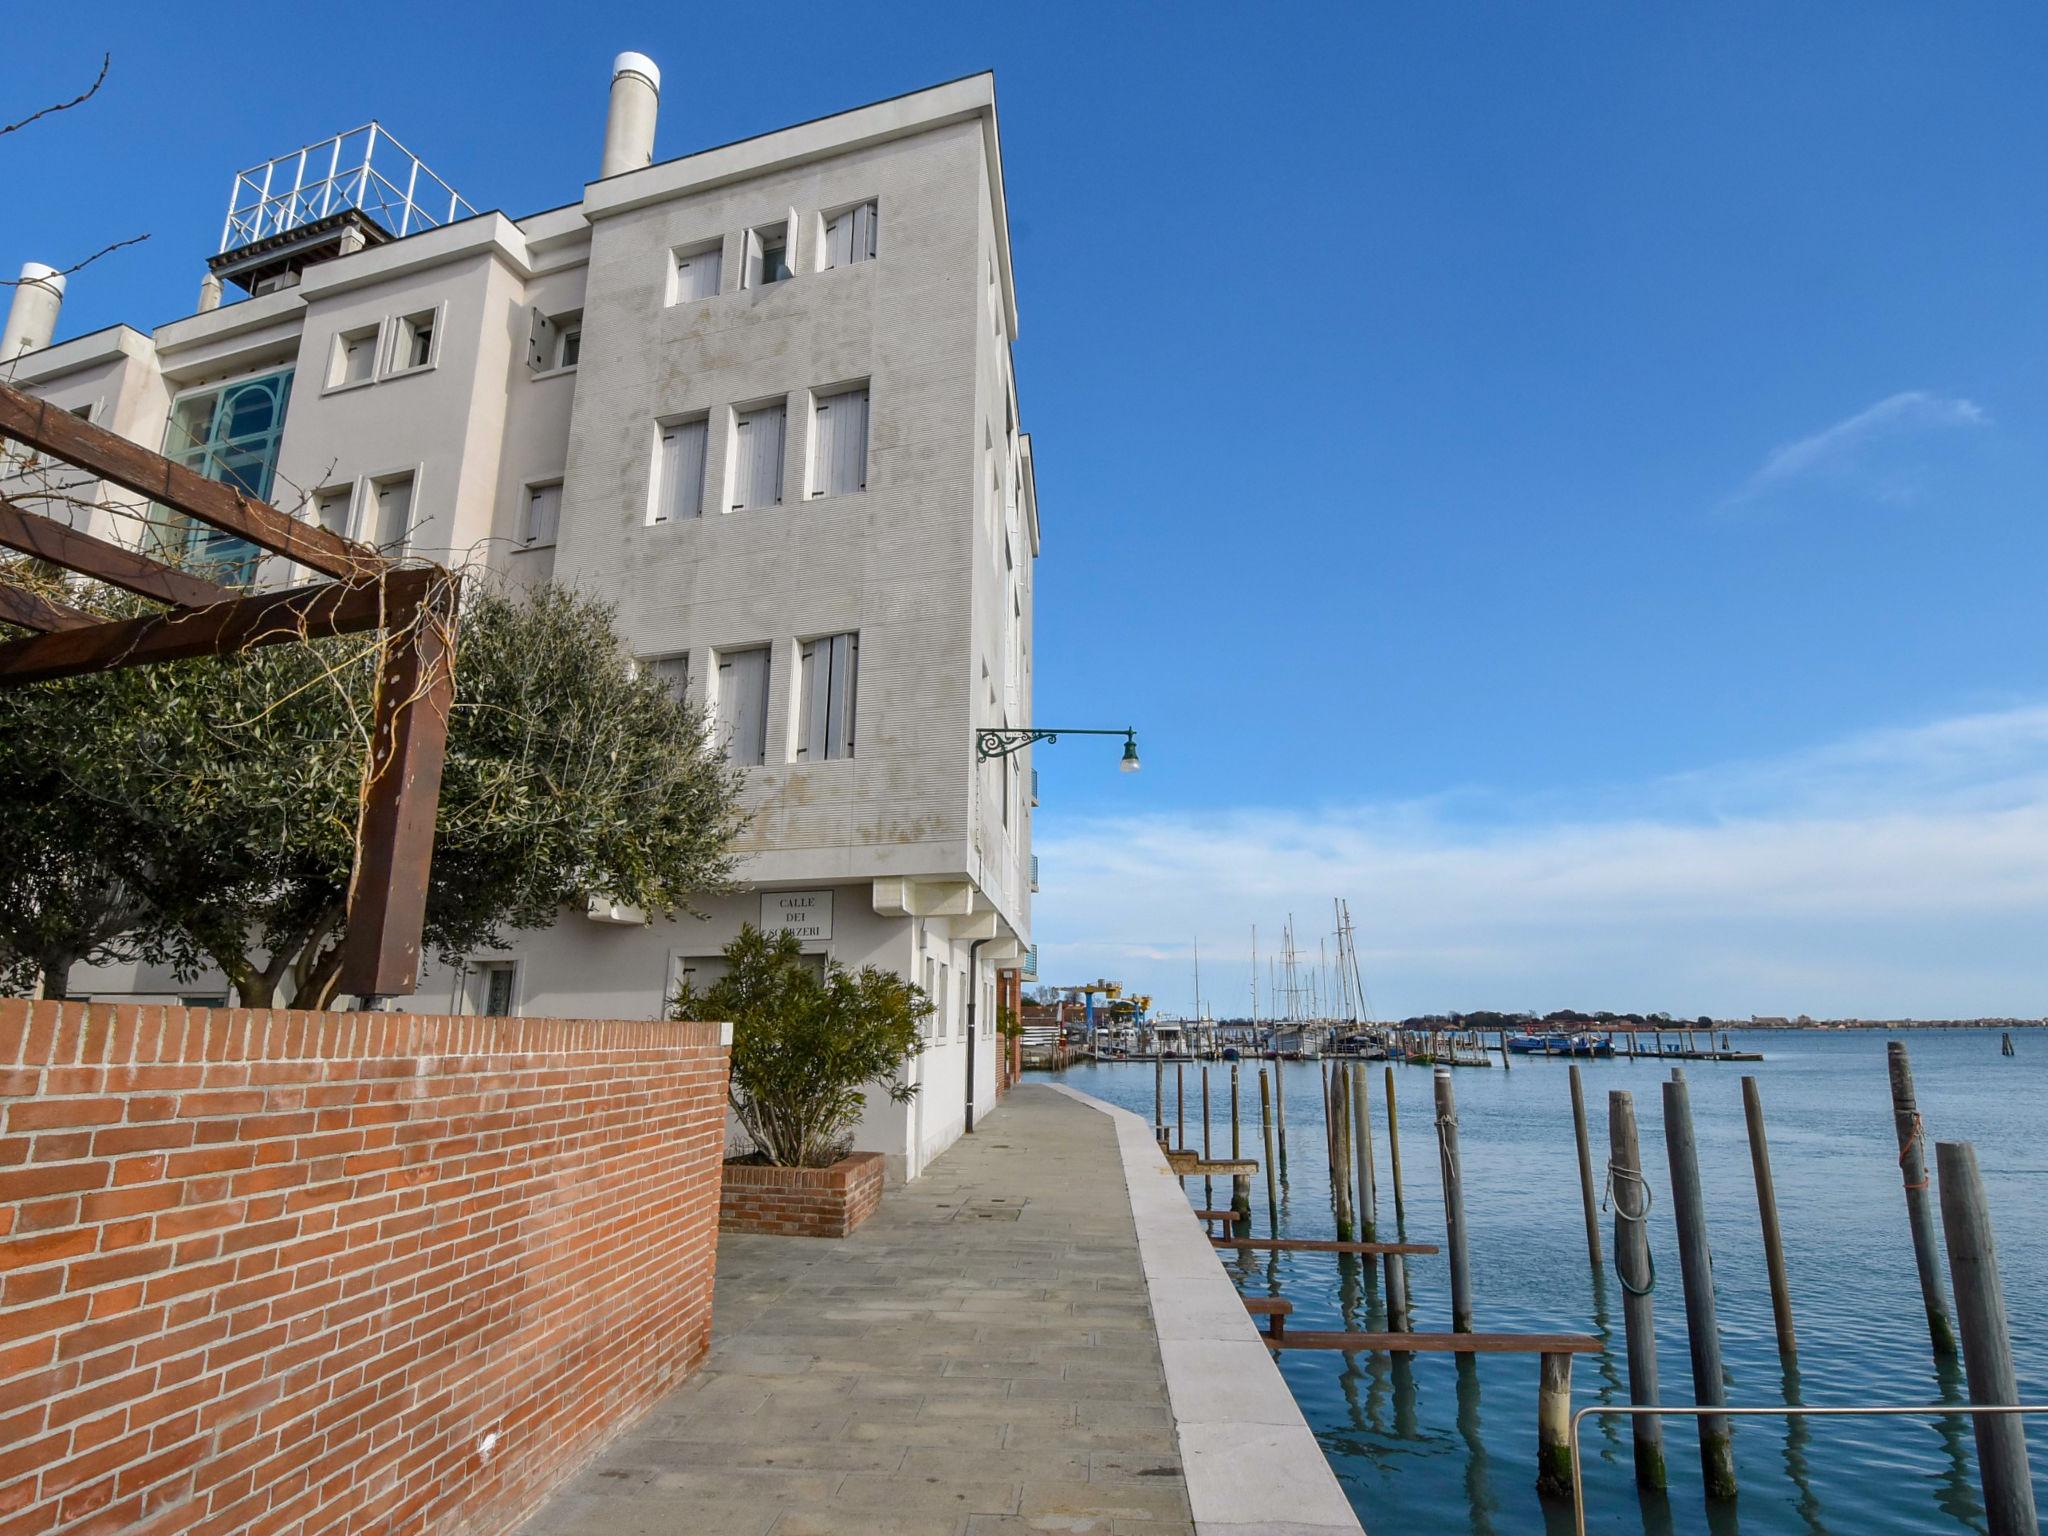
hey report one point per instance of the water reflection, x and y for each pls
(1956, 1493)
(1798, 1431)
(1478, 1483)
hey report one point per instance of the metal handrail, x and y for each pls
(1788, 1410)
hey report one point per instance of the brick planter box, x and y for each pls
(801, 1202)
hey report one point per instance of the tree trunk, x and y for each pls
(55, 966)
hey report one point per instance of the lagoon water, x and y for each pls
(1433, 1443)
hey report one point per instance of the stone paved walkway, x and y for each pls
(978, 1358)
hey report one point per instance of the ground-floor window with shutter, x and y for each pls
(757, 456)
(743, 704)
(825, 722)
(839, 443)
(679, 471)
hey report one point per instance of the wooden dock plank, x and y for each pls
(1442, 1343)
(1318, 1245)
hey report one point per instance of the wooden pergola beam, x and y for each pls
(31, 610)
(31, 533)
(387, 898)
(269, 618)
(53, 430)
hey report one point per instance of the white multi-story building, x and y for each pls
(761, 397)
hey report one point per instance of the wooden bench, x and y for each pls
(1319, 1245)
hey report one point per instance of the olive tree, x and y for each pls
(227, 790)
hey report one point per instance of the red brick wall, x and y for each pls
(802, 1202)
(289, 1272)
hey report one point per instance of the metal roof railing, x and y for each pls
(364, 168)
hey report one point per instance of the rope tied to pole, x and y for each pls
(1617, 1178)
(1445, 1123)
(1917, 1135)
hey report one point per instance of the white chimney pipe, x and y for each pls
(629, 125)
(32, 317)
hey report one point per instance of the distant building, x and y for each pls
(761, 397)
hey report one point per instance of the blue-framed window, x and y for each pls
(230, 433)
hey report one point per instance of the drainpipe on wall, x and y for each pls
(973, 997)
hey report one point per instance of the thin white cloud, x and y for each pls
(1844, 449)
(1900, 872)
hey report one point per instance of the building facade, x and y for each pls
(760, 397)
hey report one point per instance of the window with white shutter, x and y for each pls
(679, 471)
(394, 514)
(757, 456)
(767, 256)
(850, 236)
(839, 443)
(673, 673)
(743, 704)
(543, 515)
(331, 508)
(831, 664)
(698, 272)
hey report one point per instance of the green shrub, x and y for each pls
(806, 1049)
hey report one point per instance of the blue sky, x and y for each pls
(1566, 479)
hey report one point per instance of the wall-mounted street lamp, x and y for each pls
(1001, 740)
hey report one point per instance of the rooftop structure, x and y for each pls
(358, 188)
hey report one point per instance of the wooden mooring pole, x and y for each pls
(1919, 1207)
(1361, 1149)
(1266, 1131)
(1454, 1203)
(1587, 1196)
(1340, 1162)
(1394, 1152)
(1240, 1183)
(1158, 1099)
(1638, 1277)
(1696, 1269)
(1280, 1100)
(1554, 1427)
(1987, 1343)
(1208, 1186)
(1503, 1050)
(1180, 1106)
(1767, 1210)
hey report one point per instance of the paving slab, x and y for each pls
(934, 1374)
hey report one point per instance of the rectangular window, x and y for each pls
(757, 456)
(673, 673)
(743, 704)
(554, 342)
(698, 271)
(331, 509)
(850, 236)
(393, 525)
(543, 515)
(497, 983)
(413, 342)
(767, 255)
(839, 443)
(698, 972)
(825, 722)
(679, 471)
(355, 357)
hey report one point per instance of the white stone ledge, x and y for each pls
(1251, 1465)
